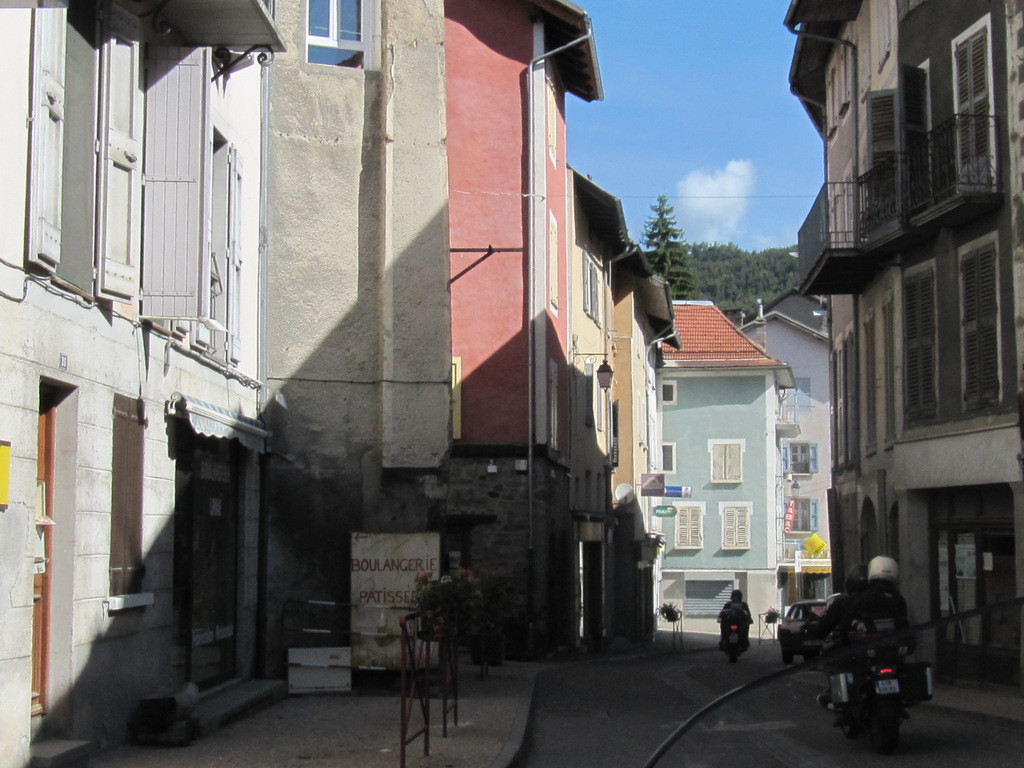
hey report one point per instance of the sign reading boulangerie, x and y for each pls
(384, 568)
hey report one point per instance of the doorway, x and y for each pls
(205, 556)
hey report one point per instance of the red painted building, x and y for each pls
(510, 65)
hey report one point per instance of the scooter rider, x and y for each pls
(738, 612)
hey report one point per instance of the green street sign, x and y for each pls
(665, 511)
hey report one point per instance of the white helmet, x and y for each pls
(882, 567)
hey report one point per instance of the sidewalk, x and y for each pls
(360, 730)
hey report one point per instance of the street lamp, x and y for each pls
(604, 375)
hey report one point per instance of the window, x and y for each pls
(726, 461)
(883, 28)
(800, 458)
(614, 424)
(47, 137)
(804, 517)
(803, 394)
(668, 393)
(735, 525)
(553, 261)
(975, 131)
(552, 121)
(591, 288)
(341, 33)
(668, 458)
(870, 383)
(980, 328)
(126, 567)
(919, 344)
(553, 404)
(690, 527)
(889, 371)
(456, 398)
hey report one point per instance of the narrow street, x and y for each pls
(614, 711)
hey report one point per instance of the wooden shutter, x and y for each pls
(718, 462)
(813, 449)
(587, 394)
(786, 459)
(972, 98)
(736, 534)
(980, 332)
(813, 515)
(176, 265)
(919, 329)
(883, 120)
(126, 496)
(733, 462)
(121, 158)
(47, 138)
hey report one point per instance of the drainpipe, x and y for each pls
(855, 96)
(531, 332)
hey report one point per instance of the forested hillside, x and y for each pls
(734, 278)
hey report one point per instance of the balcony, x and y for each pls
(945, 178)
(831, 259)
(957, 177)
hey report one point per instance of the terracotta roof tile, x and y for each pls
(708, 337)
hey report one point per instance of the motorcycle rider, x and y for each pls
(876, 608)
(736, 612)
(837, 615)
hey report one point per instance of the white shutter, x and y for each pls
(47, 132)
(121, 161)
(179, 141)
(235, 256)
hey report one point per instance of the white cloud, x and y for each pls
(712, 205)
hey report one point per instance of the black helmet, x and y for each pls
(737, 596)
(856, 579)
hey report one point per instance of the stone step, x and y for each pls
(235, 701)
(61, 753)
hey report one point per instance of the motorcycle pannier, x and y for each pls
(916, 680)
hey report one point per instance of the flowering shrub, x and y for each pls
(451, 598)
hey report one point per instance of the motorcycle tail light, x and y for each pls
(733, 627)
(886, 671)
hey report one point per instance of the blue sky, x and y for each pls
(697, 107)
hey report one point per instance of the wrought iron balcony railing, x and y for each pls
(957, 159)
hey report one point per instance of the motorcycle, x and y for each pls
(872, 692)
(732, 642)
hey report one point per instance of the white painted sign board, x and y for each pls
(383, 570)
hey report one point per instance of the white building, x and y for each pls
(130, 273)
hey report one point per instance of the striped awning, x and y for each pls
(213, 421)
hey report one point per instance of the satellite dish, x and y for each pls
(624, 493)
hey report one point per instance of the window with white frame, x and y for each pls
(689, 527)
(735, 524)
(668, 393)
(726, 460)
(668, 458)
(972, 78)
(341, 33)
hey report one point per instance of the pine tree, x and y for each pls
(669, 252)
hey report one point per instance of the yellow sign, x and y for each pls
(5, 473)
(815, 545)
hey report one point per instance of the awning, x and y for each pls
(235, 24)
(213, 421)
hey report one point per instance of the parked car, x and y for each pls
(791, 639)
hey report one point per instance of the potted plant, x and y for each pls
(447, 602)
(490, 612)
(771, 616)
(669, 612)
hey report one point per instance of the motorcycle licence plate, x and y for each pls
(887, 687)
(734, 638)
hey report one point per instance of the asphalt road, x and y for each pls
(614, 711)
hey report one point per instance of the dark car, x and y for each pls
(792, 640)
